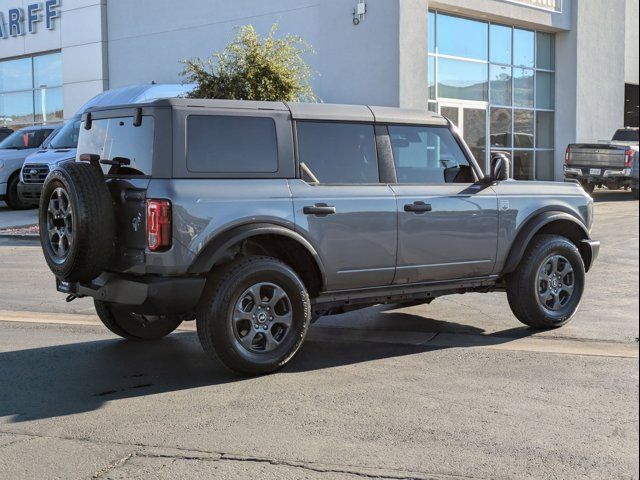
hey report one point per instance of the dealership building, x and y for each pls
(525, 76)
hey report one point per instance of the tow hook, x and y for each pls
(70, 298)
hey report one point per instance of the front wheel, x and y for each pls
(546, 289)
(13, 199)
(133, 326)
(253, 315)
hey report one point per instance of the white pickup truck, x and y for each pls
(611, 164)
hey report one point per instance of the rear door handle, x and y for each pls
(417, 207)
(319, 209)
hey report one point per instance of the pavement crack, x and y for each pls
(113, 465)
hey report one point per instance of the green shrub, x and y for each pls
(252, 67)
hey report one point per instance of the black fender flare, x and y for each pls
(531, 227)
(218, 245)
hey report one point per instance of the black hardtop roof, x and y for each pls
(302, 111)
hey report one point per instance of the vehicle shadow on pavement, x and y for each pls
(74, 378)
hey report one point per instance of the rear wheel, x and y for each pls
(133, 326)
(546, 290)
(13, 199)
(253, 315)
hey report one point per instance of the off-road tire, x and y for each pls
(12, 199)
(126, 324)
(224, 288)
(522, 285)
(93, 222)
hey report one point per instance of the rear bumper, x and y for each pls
(602, 175)
(150, 295)
(30, 191)
(590, 249)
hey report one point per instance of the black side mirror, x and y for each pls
(500, 166)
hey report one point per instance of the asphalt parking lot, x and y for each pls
(454, 389)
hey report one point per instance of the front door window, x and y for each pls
(471, 121)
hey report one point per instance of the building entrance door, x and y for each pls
(471, 119)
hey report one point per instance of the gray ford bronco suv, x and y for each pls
(256, 218)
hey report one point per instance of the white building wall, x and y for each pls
(353, 64)
(632, 42)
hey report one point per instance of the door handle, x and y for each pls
(417, 207)
(319, 209)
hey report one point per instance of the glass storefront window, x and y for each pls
(507, 72)
(500, 126)
(523, 165)
(545, 165)
(523, 48)
(545, 88)
(431, 34)
(523, 87)
(47, 70)
(523, 128)
(544, 129)
(16, 75)
(431, 77)
(461, 37)
(16, 108)
(31, 90)
(462, 80)
(48, 105)
(500, 78)
(500, 44)
(545, 51)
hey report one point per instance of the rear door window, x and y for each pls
(231, 144)
(118, 137)
(337, 152)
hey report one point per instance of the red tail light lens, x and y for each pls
(158, 225)
(567, 156)
(628, 158)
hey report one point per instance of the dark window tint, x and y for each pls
(428, 155)
(24, 139)
(117, 137)
(626, 135)
(226, 144)
(338, 152)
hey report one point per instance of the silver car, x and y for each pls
(257, 218)
(13, 151)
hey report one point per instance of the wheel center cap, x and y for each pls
(554, 283)
(261, 317)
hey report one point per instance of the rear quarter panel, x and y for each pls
(521, 201)
(204, 208)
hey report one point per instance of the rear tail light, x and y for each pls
(567, 156)
(158, 225)
(628, 158)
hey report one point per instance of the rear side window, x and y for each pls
(337, 152)
(231, 144)
(428, 155)
(118, 137)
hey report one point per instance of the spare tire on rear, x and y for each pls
(77, 224)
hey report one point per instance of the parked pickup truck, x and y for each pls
(612, 164)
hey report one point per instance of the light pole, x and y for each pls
(43, 102)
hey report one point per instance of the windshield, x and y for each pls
(24, 139)
(67, 137)
(626, 135)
